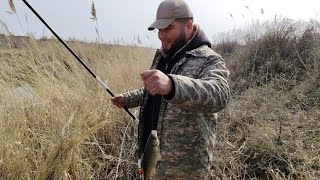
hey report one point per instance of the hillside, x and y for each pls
(56, 123)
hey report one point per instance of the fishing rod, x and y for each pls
(77, 57)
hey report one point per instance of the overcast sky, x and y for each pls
(125, 20)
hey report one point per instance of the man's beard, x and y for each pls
(177, 44)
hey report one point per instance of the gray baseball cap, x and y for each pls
(168, 11)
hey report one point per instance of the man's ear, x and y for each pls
(189, 27)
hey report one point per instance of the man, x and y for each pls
(186, 85)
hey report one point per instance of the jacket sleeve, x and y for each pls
(134, 98)
(209, 93)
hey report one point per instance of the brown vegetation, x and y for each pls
(56, 123)
(271, 128)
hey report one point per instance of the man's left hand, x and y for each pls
(156, 82)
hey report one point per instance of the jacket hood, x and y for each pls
(199, 39)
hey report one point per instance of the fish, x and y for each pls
(151, 155)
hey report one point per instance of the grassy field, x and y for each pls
(56, 123)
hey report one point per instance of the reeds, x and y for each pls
(93, 12)
(68, 129)
(12, 7)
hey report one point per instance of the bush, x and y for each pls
(285, 49)
(270, 129)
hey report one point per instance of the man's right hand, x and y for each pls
(118, 100)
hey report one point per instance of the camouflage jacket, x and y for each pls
(186, 124)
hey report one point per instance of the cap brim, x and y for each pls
(160, 24)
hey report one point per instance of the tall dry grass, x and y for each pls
(56, 123)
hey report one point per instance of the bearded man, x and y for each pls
(184, 88)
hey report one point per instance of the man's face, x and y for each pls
(173, 37)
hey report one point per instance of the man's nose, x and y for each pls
(161, 34)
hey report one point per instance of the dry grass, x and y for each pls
(271, 128)
(56, 123)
